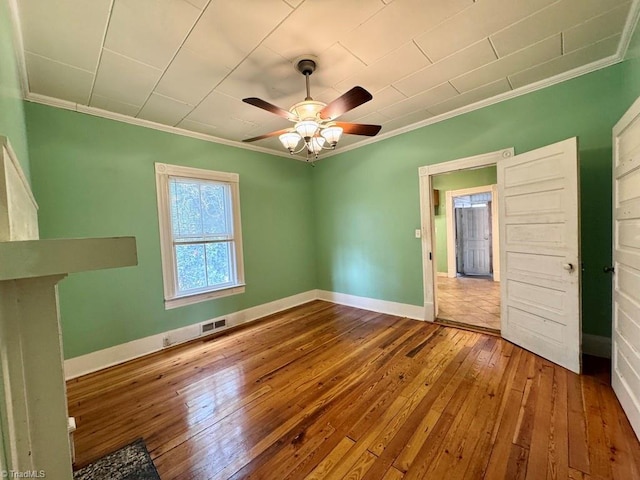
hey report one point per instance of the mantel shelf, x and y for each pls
(40, 258)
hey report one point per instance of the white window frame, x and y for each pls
(172, 298)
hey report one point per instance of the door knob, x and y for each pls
(568, 267)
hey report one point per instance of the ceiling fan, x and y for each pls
(315, 121)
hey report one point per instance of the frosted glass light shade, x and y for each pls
(315, 145)
(289, 140)
(332, 134)
(307, 128)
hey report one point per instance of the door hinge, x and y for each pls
(429, 255)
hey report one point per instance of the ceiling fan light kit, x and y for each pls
(314, 121)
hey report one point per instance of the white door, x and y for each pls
(625, 375)
(540, 252)
(474, 240)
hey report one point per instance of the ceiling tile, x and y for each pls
(540, 52)
(596, 29)
(553, 19)
(161, 109)
(198, 3)
(373, 118)
(397, 24)
(295, 37)
(406, 120)
(197, 127)
(475, 23)
(124, 79)
(334, 65)
(452, 66)
(228, 30)
(472, 96)
(104, 103)
(150, 31)
(216, 109)
(381, 99)
(421, 101)
(567, 62)
(69, 31)
(263, 74)
(399, 63)
(190, 77)
(58, 80)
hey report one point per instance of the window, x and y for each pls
(200, 237)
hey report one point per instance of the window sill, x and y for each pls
(201, 297)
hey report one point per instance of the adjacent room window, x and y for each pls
(200, 236)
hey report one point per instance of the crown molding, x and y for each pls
(562, 77)
(629, 28)
(18, 46)
(97, 112)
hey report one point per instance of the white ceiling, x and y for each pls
(188, 63)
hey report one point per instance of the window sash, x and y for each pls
(232, 268)
(228, 213)
(171, 240)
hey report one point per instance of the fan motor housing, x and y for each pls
(306, 66)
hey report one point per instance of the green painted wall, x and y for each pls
(12, 122)
(95, 177)
(455, 181)
(367, 200)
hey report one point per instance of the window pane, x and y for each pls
(188, 211)
(191, 270)
(218, 263)
(214, 208)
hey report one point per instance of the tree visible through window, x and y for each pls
(202, 230)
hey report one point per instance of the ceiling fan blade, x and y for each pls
(269, 107)
(267, 135)
(359, 128)
(350, 100)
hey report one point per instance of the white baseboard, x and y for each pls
(442, 274)
(596, 345)
(74, 367)
(91, 362)
(383, 306)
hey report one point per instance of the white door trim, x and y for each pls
(495, 231)
(429, 272)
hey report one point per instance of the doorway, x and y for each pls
(467, 249)
(539, 247)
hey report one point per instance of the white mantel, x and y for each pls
(33, 415)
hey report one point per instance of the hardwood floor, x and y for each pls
(325, 391)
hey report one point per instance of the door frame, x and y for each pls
(495, 233)
(427, 224)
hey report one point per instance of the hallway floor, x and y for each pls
(471, 301)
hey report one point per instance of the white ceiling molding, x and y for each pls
(562, 77)
(96, 112)
(629, 29)
(18, 47)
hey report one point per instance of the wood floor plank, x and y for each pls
(578, 449)
(329, 391)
